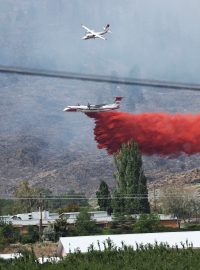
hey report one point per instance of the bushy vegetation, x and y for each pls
(6, 207)
(147, 223)
(31, 236)
(156, 257)
(84, 225)
(8, 234)
(192, 227)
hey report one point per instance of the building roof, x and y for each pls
(33, 218)
(98, 216)
(71, 244)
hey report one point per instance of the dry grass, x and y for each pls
(41, 249)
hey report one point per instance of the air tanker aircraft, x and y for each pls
(92, 34)
(95, 108)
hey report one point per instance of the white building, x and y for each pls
(24, 220)
(101, 217)
(68, 245)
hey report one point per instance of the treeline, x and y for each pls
(129, 197)
(85, 226)
(28, 199)
(113, 258)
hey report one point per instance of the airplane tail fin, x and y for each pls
(106, 28)
(118, 99)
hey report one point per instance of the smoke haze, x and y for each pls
(150, 39)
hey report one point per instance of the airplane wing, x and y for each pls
(99, 36)
(87, 29)
(96, 34)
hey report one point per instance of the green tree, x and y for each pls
(122, 224)
(68, 199)
(180, 203)
(84, 225)
(60, 228)
(69, 208)
(30, 198)
(131, 194)
(104, 197)
(147, 223)
(6, 206)
(31, 236)
(27, 197)
(8, 234)
(49, 233)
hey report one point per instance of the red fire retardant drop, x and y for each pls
(156, 133)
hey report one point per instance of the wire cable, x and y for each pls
(99, 78)
(131, 196)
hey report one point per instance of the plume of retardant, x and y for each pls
(156, 133)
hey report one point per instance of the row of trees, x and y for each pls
(131, 194)
(129, 197)
(85, 226)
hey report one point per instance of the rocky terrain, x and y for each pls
(29, 158)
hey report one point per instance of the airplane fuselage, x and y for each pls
(92, 108)
(90, 35)
(95, 108)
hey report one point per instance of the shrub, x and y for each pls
(147, 223)
(32, 236)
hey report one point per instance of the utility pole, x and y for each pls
(40, 221)
(154, 198)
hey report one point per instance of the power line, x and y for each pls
(99, 78)
(140, 196)
(71, 198)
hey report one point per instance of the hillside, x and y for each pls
(29, 158)
(57, 150)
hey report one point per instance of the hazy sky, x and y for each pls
(150, 38)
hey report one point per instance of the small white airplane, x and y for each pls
(92, 34)
(95, 108)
